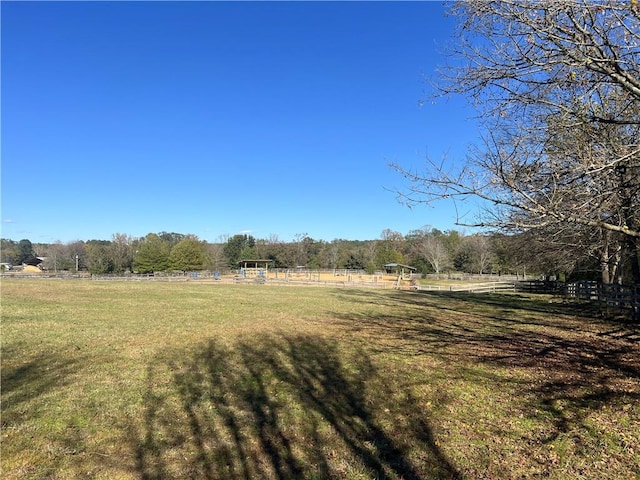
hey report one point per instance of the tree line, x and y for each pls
(428, 249)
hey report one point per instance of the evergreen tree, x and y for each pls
(189, 254)
(152, 255)
(239, 247)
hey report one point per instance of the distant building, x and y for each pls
(254, 268)
(404, 271)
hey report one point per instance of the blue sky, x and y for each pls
(217, 118)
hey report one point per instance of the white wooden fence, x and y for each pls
(482, 287)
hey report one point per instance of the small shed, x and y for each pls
(254, 268)
(401, 270)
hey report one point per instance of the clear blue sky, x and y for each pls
(216, 118)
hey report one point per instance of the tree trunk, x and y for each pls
(604, 259)
(634, 248)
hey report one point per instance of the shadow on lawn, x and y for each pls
(39, 376)
(285, 408)
(539, 309)
(575, 361)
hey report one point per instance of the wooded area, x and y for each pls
(429, 250)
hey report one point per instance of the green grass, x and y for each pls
(111, 380)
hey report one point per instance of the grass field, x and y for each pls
(114, 380)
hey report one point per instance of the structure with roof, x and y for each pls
(403, 271)
(254, 268)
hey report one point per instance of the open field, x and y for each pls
(151, 380)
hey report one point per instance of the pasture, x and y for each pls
(115, 380)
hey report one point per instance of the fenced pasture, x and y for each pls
(173, 380)
(333, 278)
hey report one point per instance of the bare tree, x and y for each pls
(121, 250)
(482, 252)
(331, 254)
(77, 254)
(433, 249)
(55, 257)
(369, 253)
(557, 87)
(217, 256)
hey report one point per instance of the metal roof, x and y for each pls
(394, 265)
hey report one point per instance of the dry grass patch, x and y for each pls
(157, 380)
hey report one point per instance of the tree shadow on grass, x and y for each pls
(509, 307)
(38, 376)
(574, 364)
(30, 386)
(434, 322)
(289, 407)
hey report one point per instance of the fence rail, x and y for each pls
(539, 286)
(484, 287)
(625, 298)
(617, 297)
(311, 283)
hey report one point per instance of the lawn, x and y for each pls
(117, 380)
